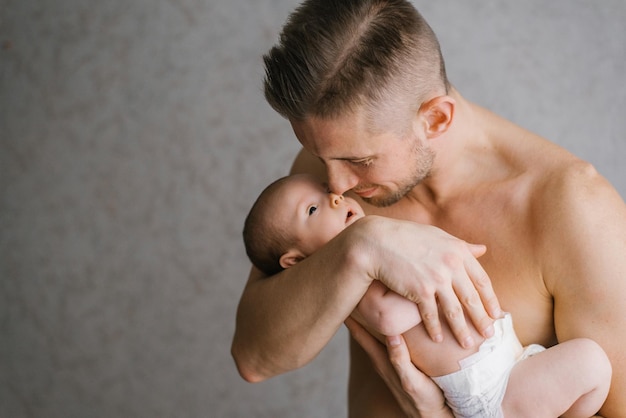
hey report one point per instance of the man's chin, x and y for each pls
(382, 201)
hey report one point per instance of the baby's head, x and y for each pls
(292, 218)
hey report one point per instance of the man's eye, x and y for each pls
(366, 162)
(312, 210)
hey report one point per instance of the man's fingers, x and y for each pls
(415, 383)
(480, 300)
(487, 295)
(413, 390)
(410, 376)
(453, 313)
(430, 318)
(477, 249)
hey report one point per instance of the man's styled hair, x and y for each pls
(335, 56)
(265, 241)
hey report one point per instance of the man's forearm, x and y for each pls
(284, 321)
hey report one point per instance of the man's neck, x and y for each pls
(464, 155)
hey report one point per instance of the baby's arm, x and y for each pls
(386, 312)
(571, 379)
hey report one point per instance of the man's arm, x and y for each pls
(584, 254)
(284, 321)
(447, 270)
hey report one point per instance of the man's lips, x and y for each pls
(366, 192)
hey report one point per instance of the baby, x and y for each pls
(296, 215)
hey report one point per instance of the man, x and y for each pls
(364, 87)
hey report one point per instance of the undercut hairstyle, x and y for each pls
(337, 56)
(265, 241)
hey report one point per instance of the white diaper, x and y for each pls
(478, 388)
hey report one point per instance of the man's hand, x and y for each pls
(416, 393)
(429, 267)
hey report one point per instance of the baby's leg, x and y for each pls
(571, 379)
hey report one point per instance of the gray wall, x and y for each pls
(133, 139)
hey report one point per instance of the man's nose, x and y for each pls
(340, 178)
(335, 200)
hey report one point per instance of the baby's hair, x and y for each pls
(264, 239)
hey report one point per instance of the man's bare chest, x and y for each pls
(511, 261)
(504, 222)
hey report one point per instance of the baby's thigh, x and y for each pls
(548, 383)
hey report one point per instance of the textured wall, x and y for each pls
(133, 139)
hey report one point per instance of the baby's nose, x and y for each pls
(335, 199)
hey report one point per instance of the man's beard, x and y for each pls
(424, 158)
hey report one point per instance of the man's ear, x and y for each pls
(437, 115)
(291, 258)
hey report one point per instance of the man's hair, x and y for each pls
(334, 56)
(264, 239)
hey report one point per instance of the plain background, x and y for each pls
(133, 139)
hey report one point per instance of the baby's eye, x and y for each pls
(312, 210)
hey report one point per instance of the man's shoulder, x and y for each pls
(574, 198)
(571, 181)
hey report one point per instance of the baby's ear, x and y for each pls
(291, 258)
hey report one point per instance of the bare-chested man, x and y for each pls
(364, 87)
